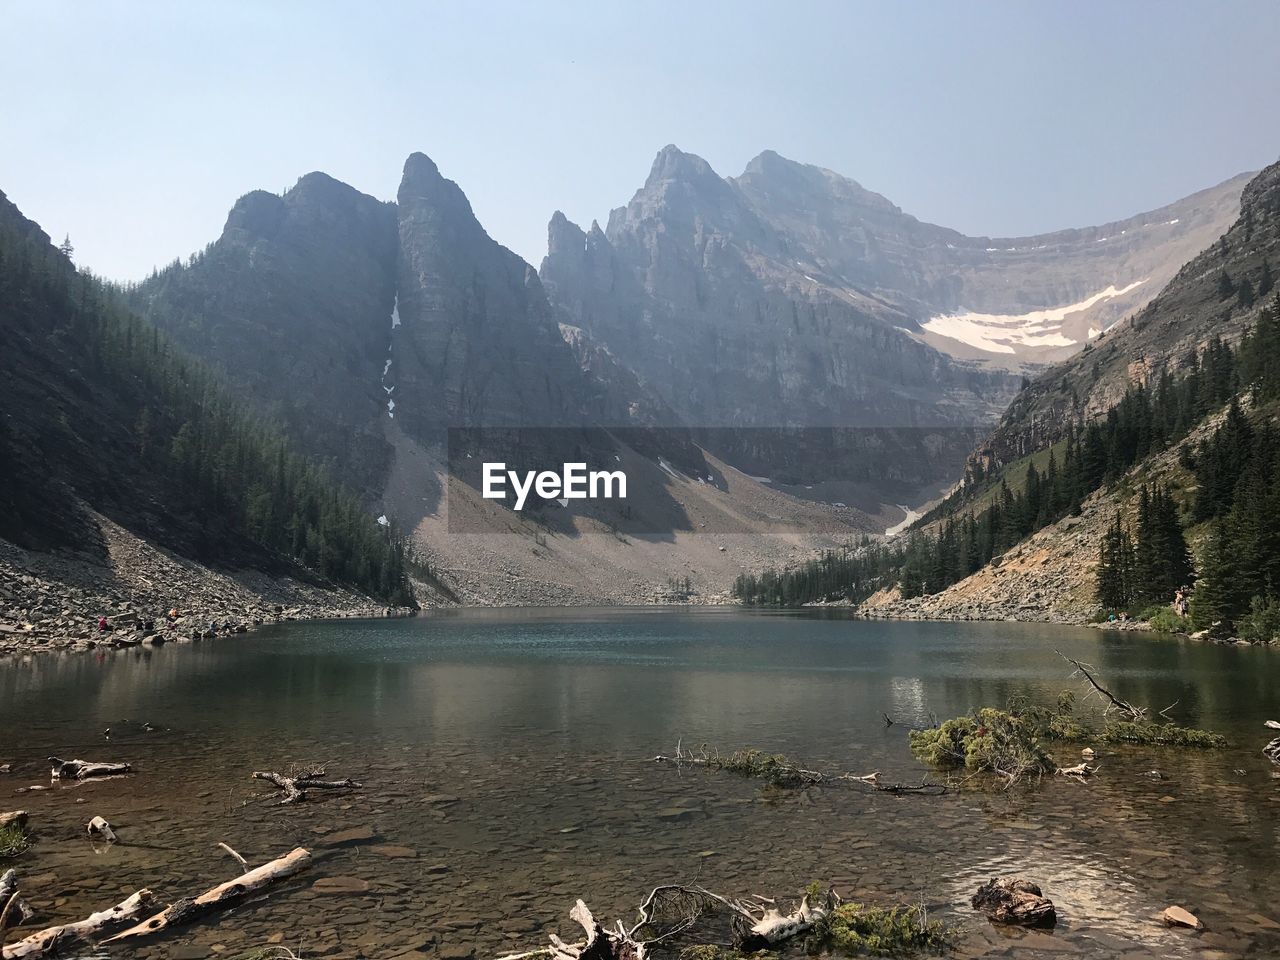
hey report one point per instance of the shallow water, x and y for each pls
(540, 723)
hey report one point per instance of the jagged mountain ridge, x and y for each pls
(836, 289)
(338, 312)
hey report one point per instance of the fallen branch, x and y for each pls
(1137, 714)
(242, 861)
(756, 923)
(83, 769)
(777, 770)
(1080, 771)
(14, 911)
(187, 909)
(295, 787)
(14, 818)
(51, 939)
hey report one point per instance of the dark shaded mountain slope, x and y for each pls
(100, 411)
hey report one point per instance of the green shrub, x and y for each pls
(853, 929)
(773, 768)
(1165, 620)
(1262, 623)
(1006, 741)
(13, 841)
(1160, 734)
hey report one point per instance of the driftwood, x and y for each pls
(1136, 714)
(98, 827)
(239, 859)
(1016, 901)
(13, 909)
(83, 769)
(295, 787)
(757, 924)
(224, 894)
(13, 818)
(1080, 771)
(779, 771)
(49, 940)
(1272, 750)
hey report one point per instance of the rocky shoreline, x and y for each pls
(55, 601)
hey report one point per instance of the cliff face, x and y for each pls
(293, 305)
(698, 293)
(476, 344)
(793, 296)
(337, 313)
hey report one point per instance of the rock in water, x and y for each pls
(1016, 901)
(1177, 917)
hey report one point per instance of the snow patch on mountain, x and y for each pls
(1004, 332)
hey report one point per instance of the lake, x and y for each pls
(506, 758)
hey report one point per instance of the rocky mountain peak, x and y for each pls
(423, 186)
(672, 163)
(564, 236)
(258, 214)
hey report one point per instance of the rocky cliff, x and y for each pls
(794, 296)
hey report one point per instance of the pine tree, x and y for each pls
(1215, 595)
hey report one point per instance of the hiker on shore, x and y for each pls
(103, 625)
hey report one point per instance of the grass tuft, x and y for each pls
(13, 841)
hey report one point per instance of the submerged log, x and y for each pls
(49, 940)
(1080, 770)
(295, 788)
(83, 769)
(1014, 900)
(224, 894)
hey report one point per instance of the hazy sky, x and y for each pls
(134, 126)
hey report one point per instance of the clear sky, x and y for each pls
(135, 125)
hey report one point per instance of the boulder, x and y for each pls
(1178, 917)
(1013, 900)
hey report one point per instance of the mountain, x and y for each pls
(1156, 446)
(793, 296)
(410, 321)
(476, 343)
(106, 424)
(1216, 294)
(757, 349)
